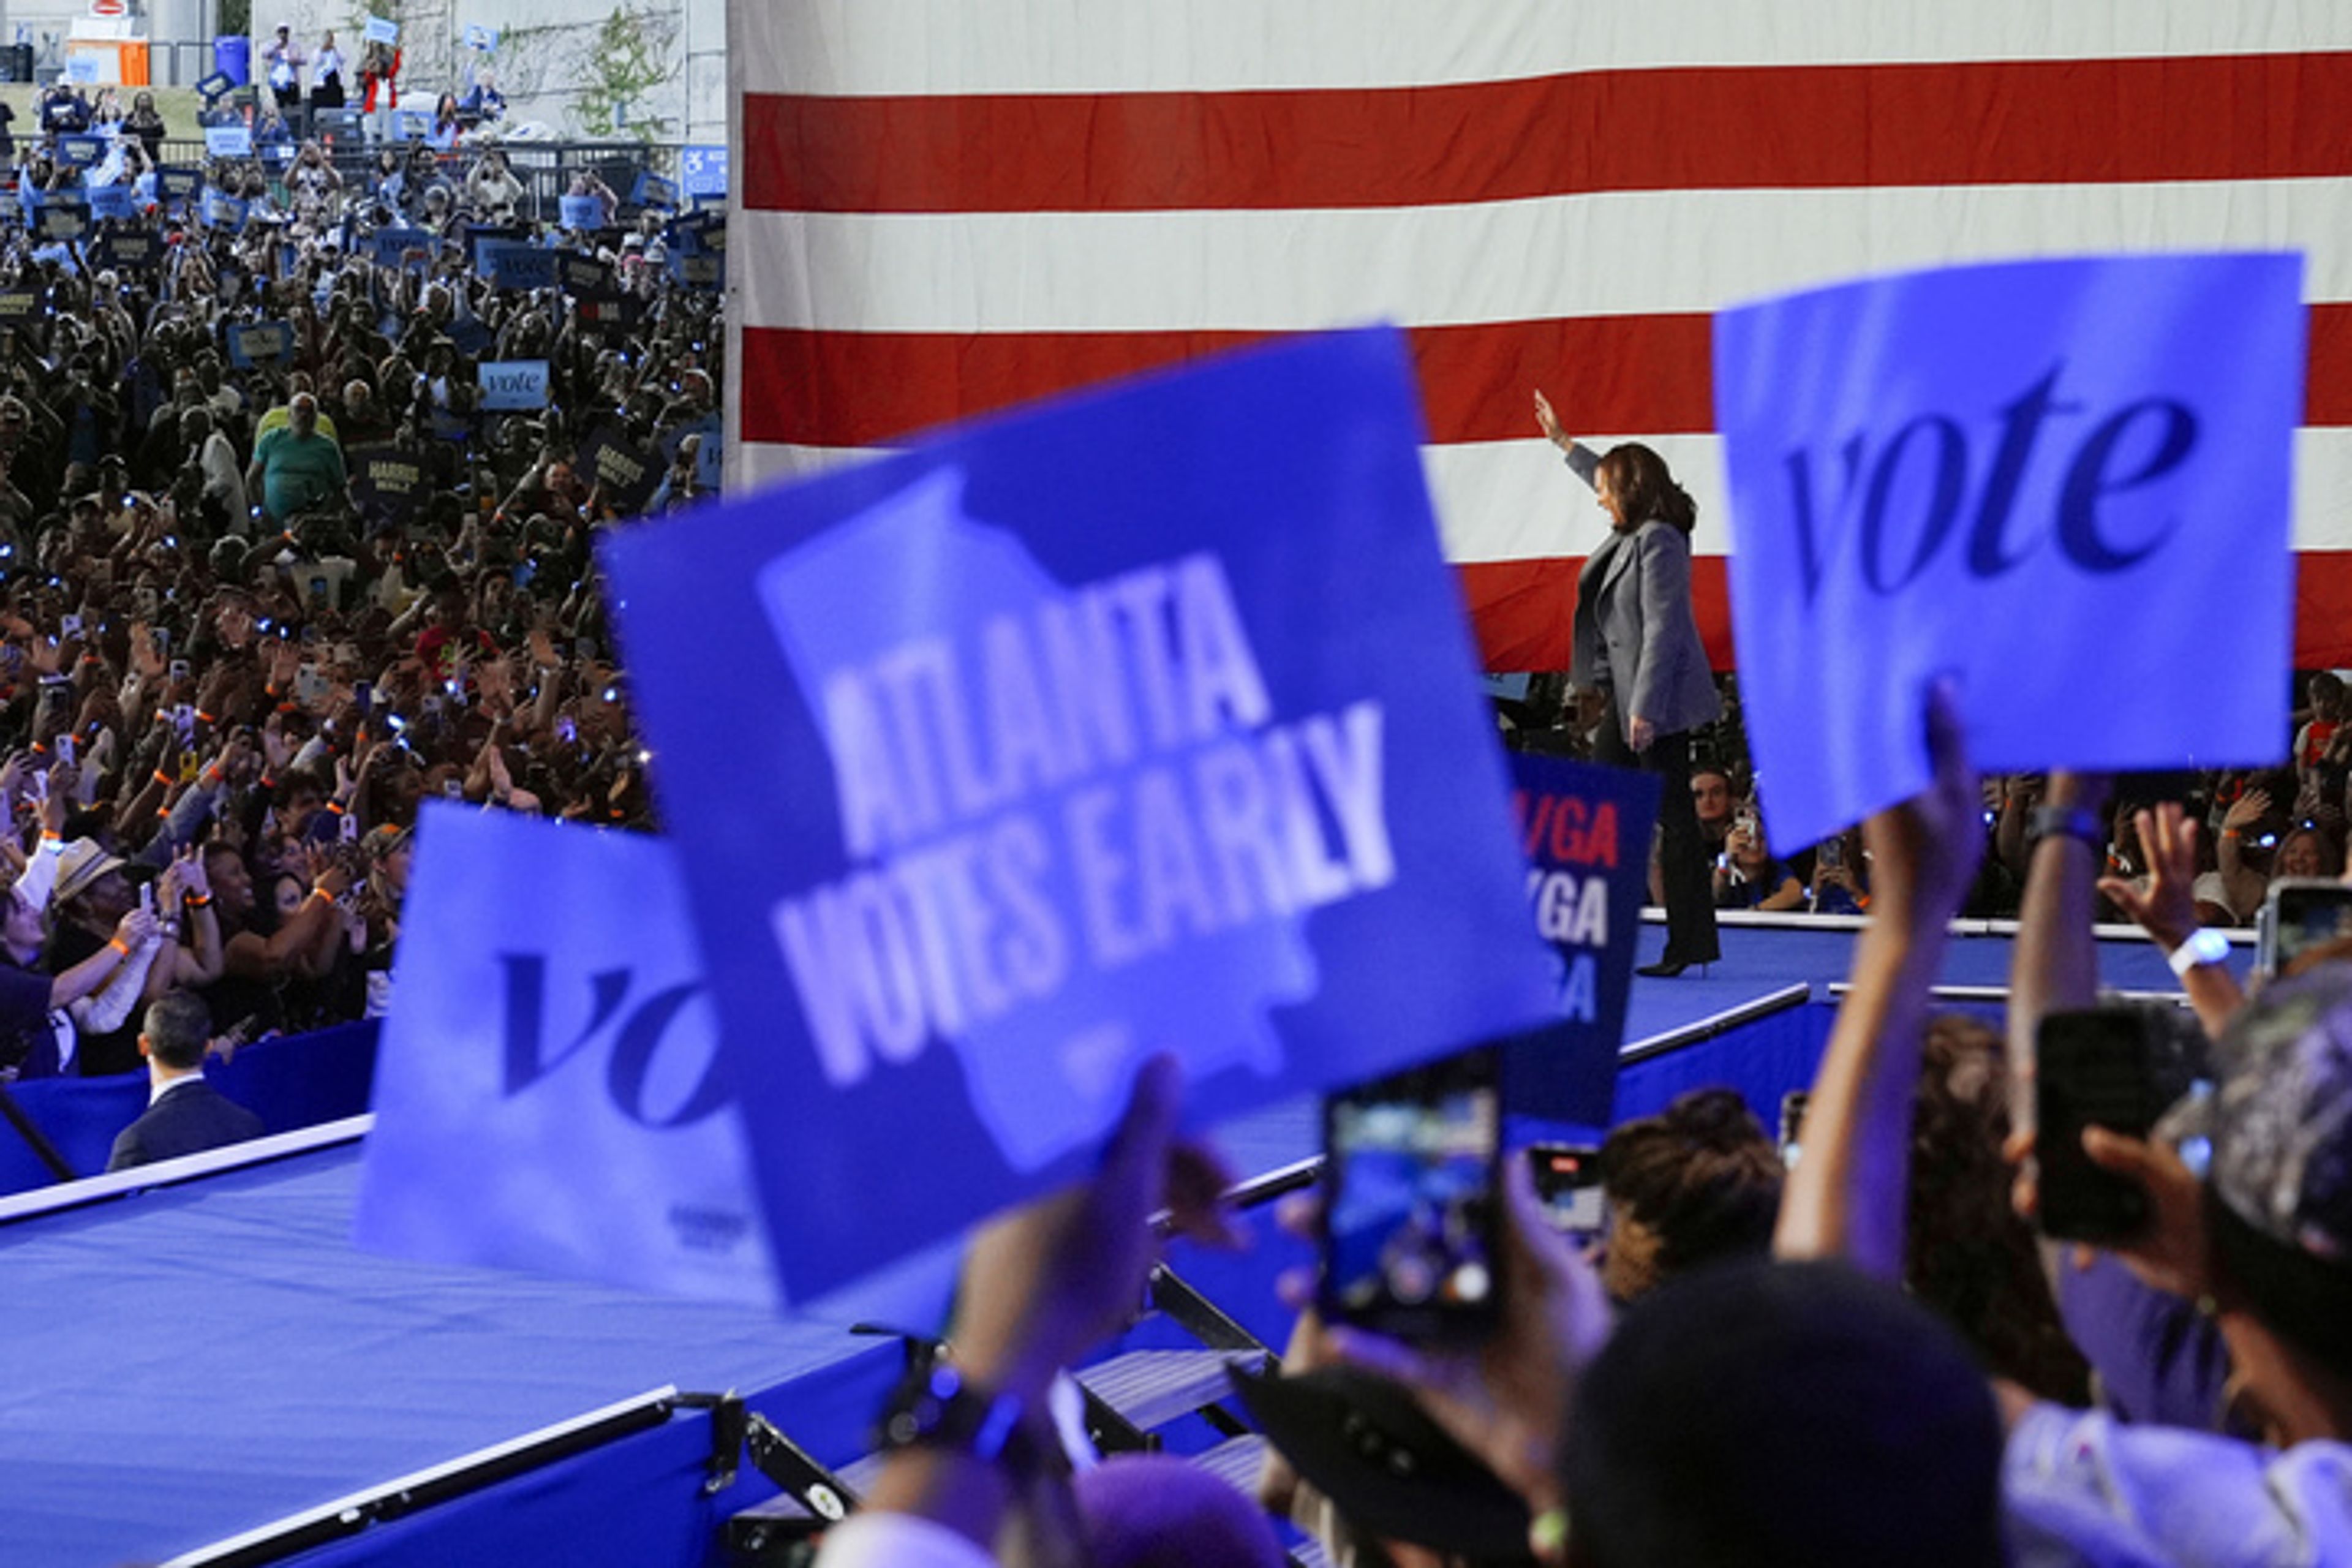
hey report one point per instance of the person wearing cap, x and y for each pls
(91, 899)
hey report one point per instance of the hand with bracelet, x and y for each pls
(1040, 1287)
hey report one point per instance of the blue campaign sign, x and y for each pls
(214, 87)
(228, 141)
(581, 212)
(2026, 477)
(81, 151)
(224, 212)
(513, 383)
(62, 219)
(178, 184)
(252, 343)
(654, 190)
(702, 171)
(549, 1094)
(1585, 831)
(1141, 721)
(404, 246)
(511, 264)
(111, 201)
(480, 37)
(380, 30)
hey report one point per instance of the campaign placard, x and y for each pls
(410, 124)
(708, 271)
(585, 277)
(480, 37)
(512, 383)
(214, 87)
(127, 250)
(654, 190)
(1585, 831)
(20, 304)
(61, 219)
(111, 202)
(579, 211)
(387, 482)
(178, 184)
(404, 246)
(1143, 721)
(232, 141)
(380, 30)
(254, 342)
(81, 150)
(627, 471)
(2026, 478)
(511, 264)
(549, 1092)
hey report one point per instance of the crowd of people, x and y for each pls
(277, 564)
(1887, 1349)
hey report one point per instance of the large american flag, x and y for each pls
(945, 206)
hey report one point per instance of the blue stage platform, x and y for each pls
(198, 1361)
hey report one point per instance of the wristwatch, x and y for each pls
(935, 1407)
(2066, 822)
(2202, 947)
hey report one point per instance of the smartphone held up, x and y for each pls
(1411, 1244)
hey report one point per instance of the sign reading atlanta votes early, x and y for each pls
(2061, 485)
(1145, 722)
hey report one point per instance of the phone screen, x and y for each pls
(2092, 1069)
(1409, 1227)
(2301, 913)
(1568, 1180)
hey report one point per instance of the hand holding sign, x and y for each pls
(1986, 473)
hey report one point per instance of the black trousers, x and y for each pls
(1682, 850)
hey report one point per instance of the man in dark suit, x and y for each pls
(186, 1115)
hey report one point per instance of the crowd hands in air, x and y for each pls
(1869, 1355)
(2247, 828)
(250, 617)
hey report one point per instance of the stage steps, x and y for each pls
(1131, 1401)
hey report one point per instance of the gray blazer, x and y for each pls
(1634, 631)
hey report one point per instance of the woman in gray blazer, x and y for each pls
(1637, 643)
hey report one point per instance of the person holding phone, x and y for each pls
(1637, 643)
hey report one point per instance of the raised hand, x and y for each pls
(1548, 423)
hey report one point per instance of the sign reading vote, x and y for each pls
(511, 264)
(513, 383)
(548, 1093)
(1585, 831)
(1141, 723)
(2063, 484)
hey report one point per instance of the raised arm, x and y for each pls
(1848, 1196)
(1582, 460)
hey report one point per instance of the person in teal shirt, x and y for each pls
(297, 466)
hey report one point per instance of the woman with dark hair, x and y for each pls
(1696, 1184)
(1637, 643)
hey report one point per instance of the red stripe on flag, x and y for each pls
(2230, 117)
(1522, 610)
(1648, 376)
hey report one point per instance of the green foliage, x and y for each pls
(633, 53)
(235, 16)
